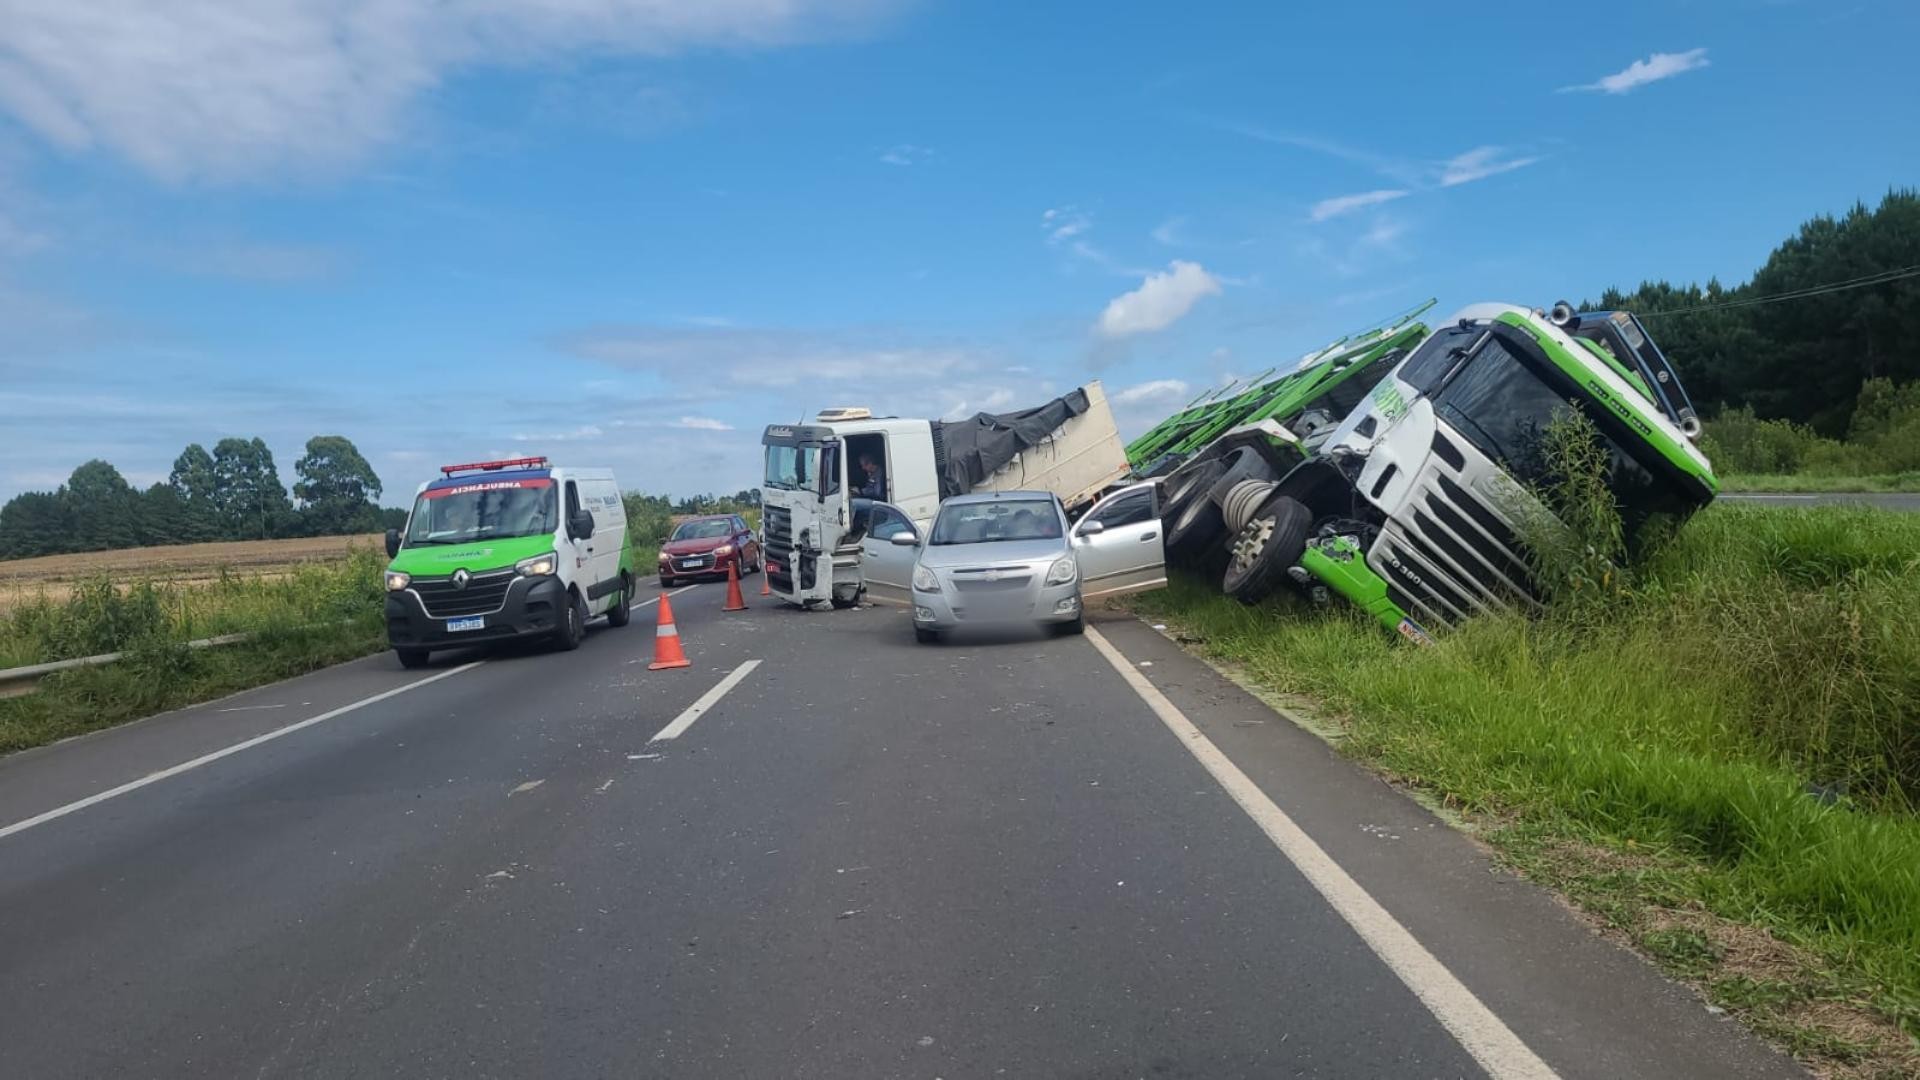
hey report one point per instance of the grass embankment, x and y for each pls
(1722, 763)
(303, 618)
(1811, 484)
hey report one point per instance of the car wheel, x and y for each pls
(1266, 548)
(668, 583)
(925, 636)
(573, 625)
(621, 613)
(1069, 629)
(412, 659)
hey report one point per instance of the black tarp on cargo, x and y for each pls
(968, 451)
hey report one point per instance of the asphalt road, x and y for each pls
(1884, 501)
(865, 858)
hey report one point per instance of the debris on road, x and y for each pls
(528, 786)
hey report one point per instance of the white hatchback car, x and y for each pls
(1011, 557)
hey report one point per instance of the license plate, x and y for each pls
(775, 568)
(474, 622)
(690, 564)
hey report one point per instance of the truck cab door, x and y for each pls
(886, 568)
(1118, 544)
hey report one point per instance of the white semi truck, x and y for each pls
(825, 481)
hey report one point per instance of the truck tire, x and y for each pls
(1188, 484)
(843, 600)
(1191, 520)
(1261, 553)
(621, 613)
(573, 624)
(1243, 464)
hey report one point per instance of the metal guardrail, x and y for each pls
(15, 682)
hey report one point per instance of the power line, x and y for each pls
(1882, 278)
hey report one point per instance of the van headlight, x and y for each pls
(1062, 571)
(397, 580)
(924, 580)
(538, 566)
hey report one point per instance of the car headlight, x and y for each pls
(723, 550)
(1062, 571)
(397, 580)
(538, 566)
(924, 580)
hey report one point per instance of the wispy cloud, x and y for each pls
(1161, 300)
(1480, 163)
(1062, 223)
(1641, 72)
(904, 154)
(579, 434)
(1169, 232)
(702, 423)
(275, 263)
(1346, 204)
(1159, 391)
(194, 89)
(1066, 227)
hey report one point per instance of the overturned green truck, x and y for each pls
(1394, 469)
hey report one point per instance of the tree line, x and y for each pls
(1811, 330)
(232, 493)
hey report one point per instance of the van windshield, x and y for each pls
(459, 516)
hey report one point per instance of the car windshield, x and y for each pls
(1503, 407)
(703, 530)
(990, 522)
(792, 467)
(459, 515)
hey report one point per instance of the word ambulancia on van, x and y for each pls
(495, 550)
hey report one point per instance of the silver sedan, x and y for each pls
(1010, 557)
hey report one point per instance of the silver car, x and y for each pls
(1010, 557)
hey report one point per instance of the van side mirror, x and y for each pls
(393, 542)
(905, 539)
(580, 525)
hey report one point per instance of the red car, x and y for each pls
(706, 546)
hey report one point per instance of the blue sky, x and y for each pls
(633, 232)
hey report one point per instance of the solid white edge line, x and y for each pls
(656, 596)
(707, 701)
(1482, 1034)
(205, 759)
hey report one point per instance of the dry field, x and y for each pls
(54, 575)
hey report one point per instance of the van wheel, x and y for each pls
(1262, 552)
(412, 659)
(621, 613)
(573, 625)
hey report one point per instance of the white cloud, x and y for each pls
(1064, 223)
(1157, 392)
(703, 423)
(1641, 72)
(1346, 204)
(1161, 300)
(1168, 232)
(579, 434)
(213, 88)
(905, 154)
(1480, 163)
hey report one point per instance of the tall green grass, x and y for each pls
(1751, 703)
(314, 615)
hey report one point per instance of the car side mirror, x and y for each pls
(1092, 528)
(393, 542)
(905, 539)
(580, 525)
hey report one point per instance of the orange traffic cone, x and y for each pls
(735, 602)
(666, 641)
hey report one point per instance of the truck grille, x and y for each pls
(779, 529)
(1451, 555)
(484, 594)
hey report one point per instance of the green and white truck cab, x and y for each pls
(507, 549)
(1410, 507)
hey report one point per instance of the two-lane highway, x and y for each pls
(856, 857)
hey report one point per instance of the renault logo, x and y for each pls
(461, 577)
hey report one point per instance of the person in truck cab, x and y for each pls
(871, 486)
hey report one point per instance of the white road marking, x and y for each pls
(1482, 1034)
(707, 701)
(251, 708)
(1739, 496)
(656, 597)
(208, 759)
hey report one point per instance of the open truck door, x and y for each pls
(1119, 544)
(887, 554)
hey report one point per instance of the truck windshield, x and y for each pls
(1503, 406)
(991, 522)
(458, 517)
(792, 467)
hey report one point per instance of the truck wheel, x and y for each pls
(1193, 532)
(1262, 552)
(412, 659)
(1243, 464)
(621, 613)
(844, 601)
(573, 625)
(1187, 485)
